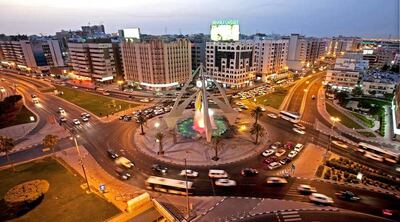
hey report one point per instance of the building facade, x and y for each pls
(198, 54)
(233, 64)
(156, 64)
(272, 54)
(18, 54)
(297, 52)
(344, 76)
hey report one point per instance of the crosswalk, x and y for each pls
(294, 194)
(289, 216)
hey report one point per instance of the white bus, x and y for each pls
(292, 117)
(377, 153)
(167, 185)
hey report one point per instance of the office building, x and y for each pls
(233, 64)
(156, 64)
(344, 75)
(18, 54)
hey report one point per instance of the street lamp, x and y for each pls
(120, 82)
(334, 120)
(80, 158)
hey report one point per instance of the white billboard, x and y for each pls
(131, 33)
(225, 30)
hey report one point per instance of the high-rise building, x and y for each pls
(272, 54)
(47, 53)
(297, 52)
(233, 64)
(93, 60)
(198, 54)
(339, 45)
(93, 30)
(156, 64)
(18, 53)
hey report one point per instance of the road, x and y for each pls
(97, 137)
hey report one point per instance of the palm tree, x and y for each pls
(256, 113)
(141, 120)
(50, 141)
(217, 141)
(6, 145)
(160, 137)
(257, 129)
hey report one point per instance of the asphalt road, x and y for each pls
(97, 137)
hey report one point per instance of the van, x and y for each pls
(217, 173)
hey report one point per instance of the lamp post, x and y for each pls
(334, 120)
(187, 189)
(120, 82)
(80, 159)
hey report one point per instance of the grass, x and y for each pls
(368, 122)
(383, 123)
(367, 134)
(99, 105)
(22, 117)
(273, 99)
(346, 121)
(65, 200)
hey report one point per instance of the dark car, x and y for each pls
(289, 145)
(160, 169)
(276, 145)
(285, 160)
(270, 159)
(123, 174)
(63, 119)
(248, 172)
(347, 195)
(33, 96)
(122, 117)
(127, 118)
(112, 153)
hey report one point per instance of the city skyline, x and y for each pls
(174, 17)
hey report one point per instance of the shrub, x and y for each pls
(27, 192)
(335, 178)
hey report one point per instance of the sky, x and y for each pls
(365, 18)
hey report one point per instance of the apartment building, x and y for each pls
(156, 64)
(18, 54)
(376, 83)
(344, 75)
(297, 52)
(272, 54)
(339, 45)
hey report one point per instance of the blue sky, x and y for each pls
(368, 18)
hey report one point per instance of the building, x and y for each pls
(93, 30)
(198, 54)
(339, 45)
(297, 52)
(344, 76)
(233, 64)
(47, 54)
(379, 83)
(93, 60)
(156, 64)
(272, 54)
(18, 54)
(396, 115)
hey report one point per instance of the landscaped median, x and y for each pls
(273, 99)
(97, 104)
(346, 121)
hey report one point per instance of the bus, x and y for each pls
(291, 117)
(377, 153)
(167, 185)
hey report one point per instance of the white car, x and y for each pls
(84, 119)
(298, 125)
(76, 122)
(274, 165)
(61, 111)
(299, 147)
(292, 154)
(189, 173)
(306, 189)
(263, 109)
(225, 183)
(214, 173)
(75, 87)
(299, 131)
(339, 144)
(144, 100)
(320, 199)
(268, 152)
(276, 180)
(237, 109)
(273, 116)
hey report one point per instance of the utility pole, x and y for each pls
(81, 161)
(187, 189)
(334, 120)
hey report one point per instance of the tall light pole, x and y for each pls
(187, 188)
(80, 159)
(334, 120)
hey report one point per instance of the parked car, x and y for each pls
(270, 159)
(299, 131)
(273, 116)
(285, 160)
(124, 162)
(276, 180)
(268, 152)
(215, 173)
(189, 173)
(280, 152)
(276, 145)
(247, 172)
(339, 144)
(347, 195)
(225, 183)
(159, 168)
(292, 154)
(306, 189)
(299, 147)
(123, 174)
(288, 145)
(274, 165)
(299, 126)
(319, 198)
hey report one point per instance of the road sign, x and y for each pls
(102, 187)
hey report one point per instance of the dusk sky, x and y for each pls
(367, 18)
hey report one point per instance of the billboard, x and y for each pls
(130, 33)
(225, 30)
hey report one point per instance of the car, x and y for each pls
(247, 172)
(84, 119)
(339, 144)
(189, 173)
(237, 109)
(112, 154)
(225, 183)
(319, 198)
(288, 145)
(63, 119)
(306, 189)
(273, 116)
(274, 165)
(270, 159)
(121, 117)
(35, 100)
(347, 195)
(292, 154)
(276, 145)
(276, 180)
(299, 147)
(85, 115)
(124, 162)
(313, 97)
(299, 131)
(280, 152)
(33, 95)
(216, 173)
(159, 168)
(76, 122)
(144, 100)
(127, 118)
(268, 152)
(285, 160)
(123, 174)
(75, 87)
(244, 107)
(61, 111)
(299, 126)
(106, 93)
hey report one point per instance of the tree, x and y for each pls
(256, 113)
(341, 96)
(50, 141)
(159, 138)
(141, 120)
(217, 141)
(257, 129)
(6, 145)
(357, 91)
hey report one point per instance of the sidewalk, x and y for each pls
(309, 161)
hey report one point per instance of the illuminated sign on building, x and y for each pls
(225, 30)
